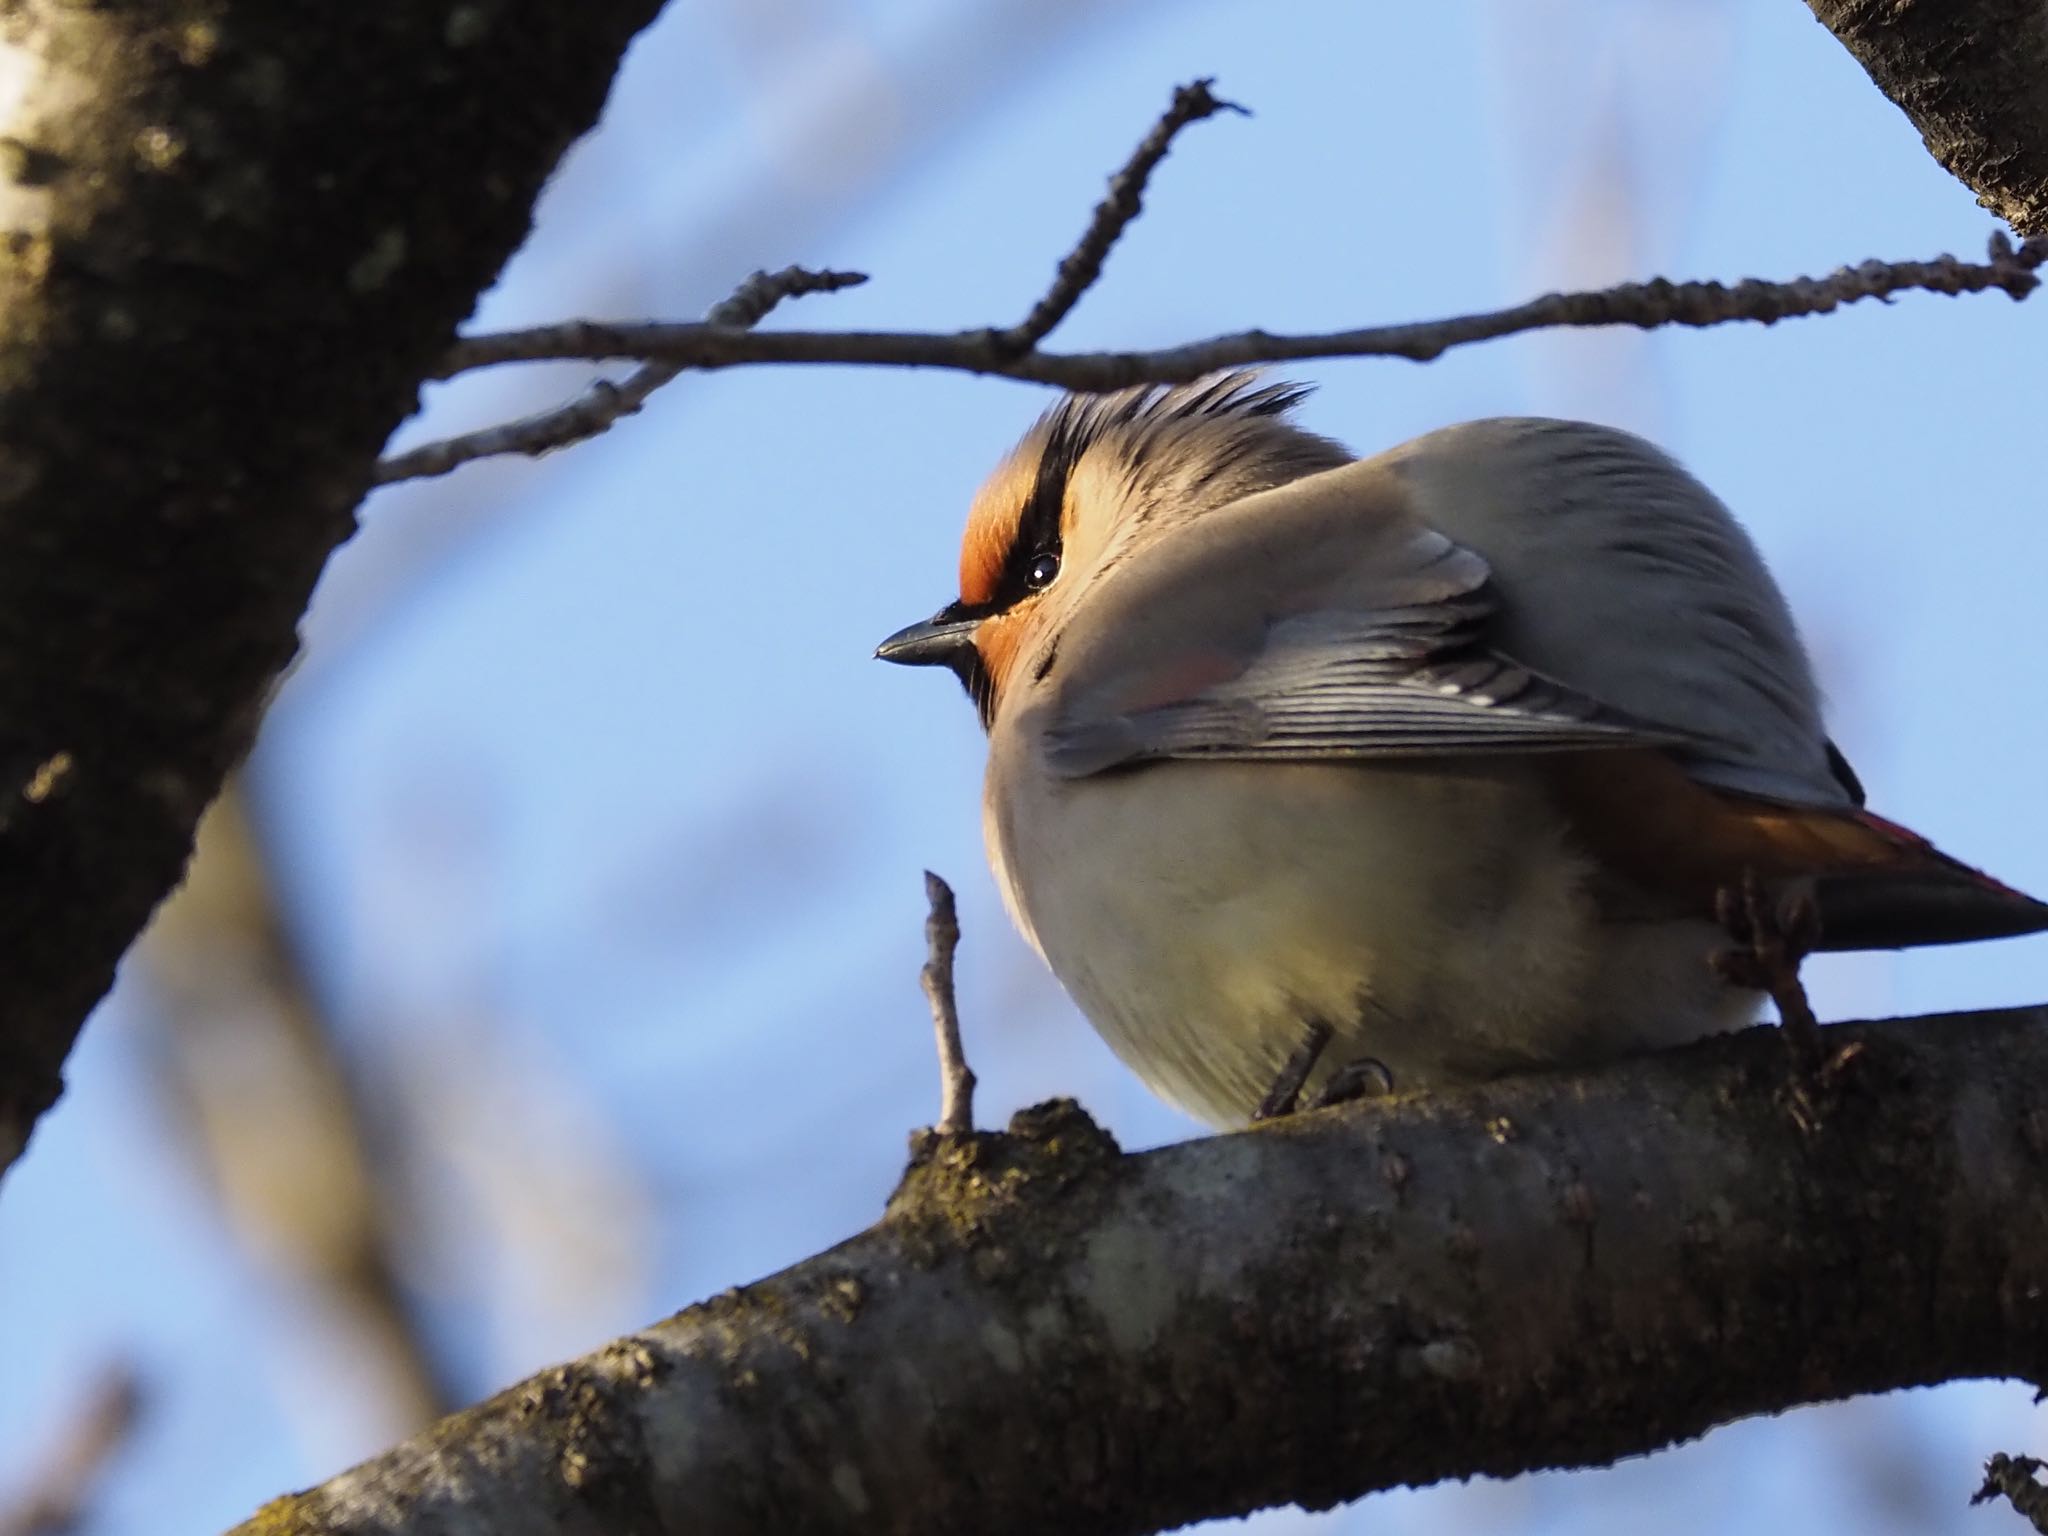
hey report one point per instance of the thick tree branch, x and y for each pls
(1973, 77)
(237, 234)
(1557, 1270)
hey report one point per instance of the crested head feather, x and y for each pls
(1152, 451)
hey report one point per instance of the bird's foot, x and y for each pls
(1284, 1097)
(1772, 936)
(1364, 1078)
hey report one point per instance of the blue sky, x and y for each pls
(603, 833)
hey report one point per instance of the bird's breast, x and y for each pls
(1201, 912)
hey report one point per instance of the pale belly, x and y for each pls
(1437, 917)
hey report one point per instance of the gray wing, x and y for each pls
(1630, 580)
(1388, 659)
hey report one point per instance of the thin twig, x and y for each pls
(2013, 1476)
(605, 402)
(956, 1080)
(756, 298)
(1645, 306)
(69, 1475)
(1082, 266)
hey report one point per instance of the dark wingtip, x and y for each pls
(1881, 909)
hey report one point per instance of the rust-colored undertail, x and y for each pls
(1876, 884)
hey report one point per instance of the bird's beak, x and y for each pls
(944, 640)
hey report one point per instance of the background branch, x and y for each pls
(278, 1120)
(1547, 1271)
(57, 1498)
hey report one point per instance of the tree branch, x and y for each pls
(68, 1473)
(666, 350)
(1645, 306)
(1556, 1270)
(235, 238)
(1082, 266)
(604, 403)
(2014, 1479)
(1973, 77)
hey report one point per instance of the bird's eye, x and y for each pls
(1044, 566)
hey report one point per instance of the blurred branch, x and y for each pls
(56, 1500)
(604, 402)
(1548, 1271)
(279, 1124)
(2015, 1479)
(1973, 77)
(177, 460)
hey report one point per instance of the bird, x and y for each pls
(1450, 756)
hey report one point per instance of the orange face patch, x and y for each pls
(1000, 641)
(992, 524)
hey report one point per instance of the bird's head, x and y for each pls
(1096, 479)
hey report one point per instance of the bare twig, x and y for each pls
(1646, 306)
(755, 298)
(2013, 1477)
(1082, 266)
(605, 402)
(69, 1474)
(942, 937)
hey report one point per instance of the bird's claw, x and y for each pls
(1363, 1078)
(1772, 937)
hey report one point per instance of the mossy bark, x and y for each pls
(1552, 1271)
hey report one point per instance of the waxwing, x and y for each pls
(1447, 753)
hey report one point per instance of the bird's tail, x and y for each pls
(1900, 891)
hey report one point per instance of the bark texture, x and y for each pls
(1973, 77)
(234, 235)
(1558, 1270)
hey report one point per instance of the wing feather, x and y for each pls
(1388, 659)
